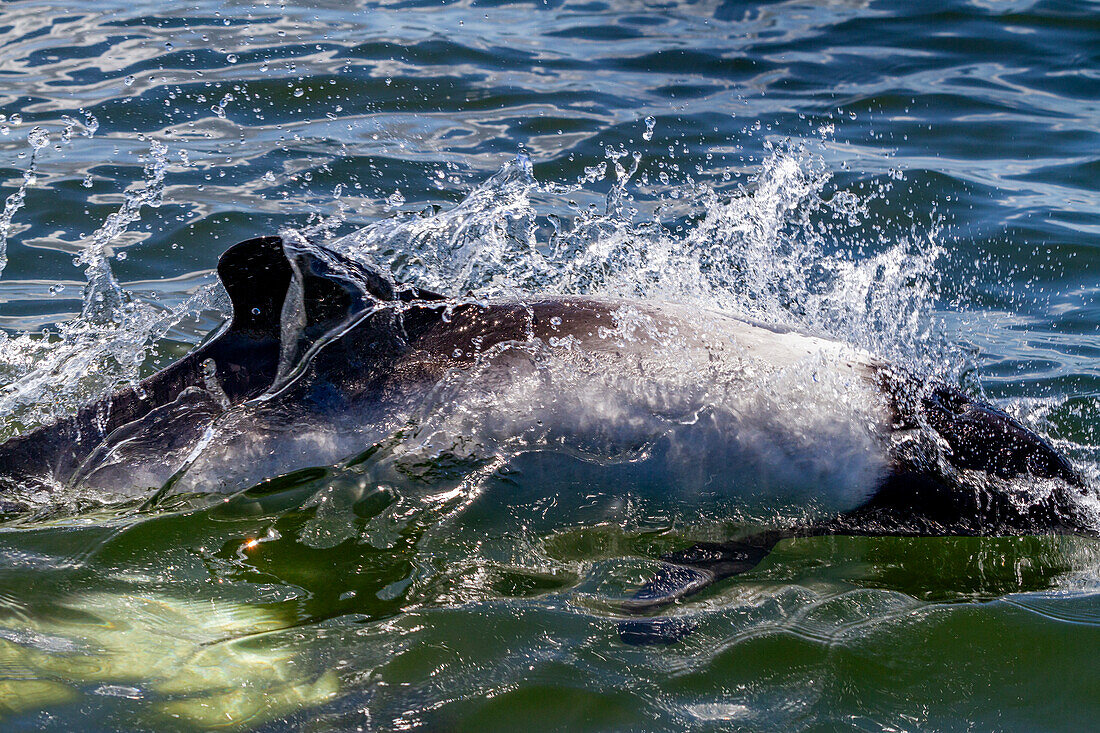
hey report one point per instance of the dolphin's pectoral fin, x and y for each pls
(689, 571)
(685, 573)
(668, 585)
(654, 631)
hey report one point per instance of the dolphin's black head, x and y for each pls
(996, 477)
(983, 437)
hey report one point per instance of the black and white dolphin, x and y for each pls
(324, 356)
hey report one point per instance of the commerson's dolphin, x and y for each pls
(324, 357)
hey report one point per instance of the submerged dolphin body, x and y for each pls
(323, 357)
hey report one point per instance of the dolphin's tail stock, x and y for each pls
(285, 298)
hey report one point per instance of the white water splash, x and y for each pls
(38, 138)
(101, 349)
(788, 248)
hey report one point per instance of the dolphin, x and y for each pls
(324, 356)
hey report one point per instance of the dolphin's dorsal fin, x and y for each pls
(289, 299)
(243, 360)
(324, 288)
(297, 295)
(256, 275)
(329, 288)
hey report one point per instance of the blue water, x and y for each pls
(919, 179)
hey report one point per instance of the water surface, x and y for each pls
(915, 179)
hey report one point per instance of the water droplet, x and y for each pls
(298, 92)
(91, 124)
(219, 108)
(231, 58)
(38, 138)
(650, 123)
(255, 311)
(129, 80)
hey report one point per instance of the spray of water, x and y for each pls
(38, 139)
(789, 247)
(90, 356)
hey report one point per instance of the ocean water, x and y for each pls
(918, 180)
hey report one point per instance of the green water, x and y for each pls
(945, 154)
